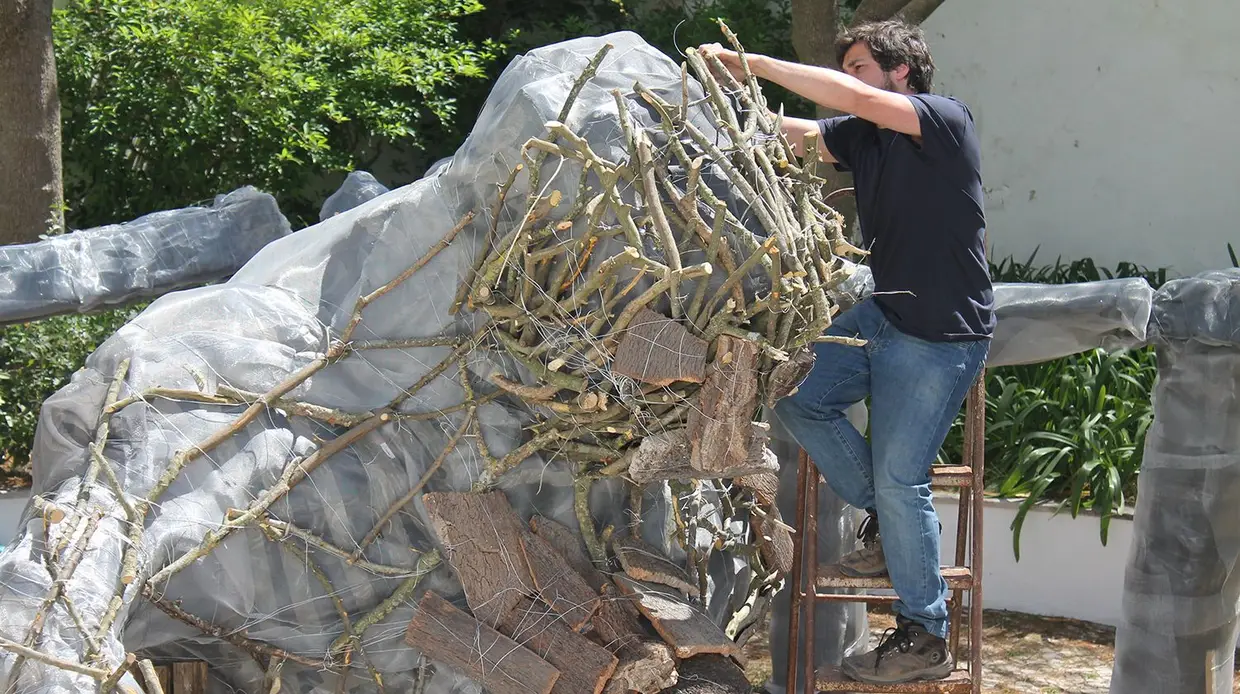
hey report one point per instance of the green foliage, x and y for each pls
(36, 360)
(1070, 430)
(168, 102)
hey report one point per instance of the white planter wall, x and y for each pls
(1064, 570)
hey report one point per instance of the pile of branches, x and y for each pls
(621, 349)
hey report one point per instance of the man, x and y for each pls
(915, 159)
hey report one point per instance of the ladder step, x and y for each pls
(830, 576)
(951, 476)
(830, 679)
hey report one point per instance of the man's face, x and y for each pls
(860, 63)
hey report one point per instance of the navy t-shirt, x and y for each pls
(922, 218)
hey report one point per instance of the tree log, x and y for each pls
(584, 666)
(643, 563)
(710, 674)
(660, 351)
(720, 427)
(481, 539)
(558, 584)
(685, 628)
(500, 665)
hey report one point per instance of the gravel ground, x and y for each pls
(1021, 654)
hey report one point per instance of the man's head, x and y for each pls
(889, 55)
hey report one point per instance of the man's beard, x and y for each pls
(888, 84)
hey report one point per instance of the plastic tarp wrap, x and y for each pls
(1182, 586)
(1040, 322)
(358, 187)
(149, 256)
(274, 317)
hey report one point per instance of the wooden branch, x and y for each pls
(427, 563)
(236, 638)
(295, 472)
(32, 654)
(150, 678)
(370, 298)
(284, 530)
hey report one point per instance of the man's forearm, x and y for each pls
(826, 87)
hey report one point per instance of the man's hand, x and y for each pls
(730, 59)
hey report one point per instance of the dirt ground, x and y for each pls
(1021, 654)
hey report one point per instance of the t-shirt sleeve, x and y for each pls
(945, 124)
(840, 135)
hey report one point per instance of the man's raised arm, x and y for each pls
(829, 88)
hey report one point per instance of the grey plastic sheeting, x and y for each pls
(273, 317)
(152, 255)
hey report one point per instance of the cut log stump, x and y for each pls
(659, 351)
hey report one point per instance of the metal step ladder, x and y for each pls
(962, 577)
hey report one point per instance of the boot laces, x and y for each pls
(868, 532)
(894, 639)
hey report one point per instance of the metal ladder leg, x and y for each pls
(965, 577)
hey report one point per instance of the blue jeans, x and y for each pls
(916, 389)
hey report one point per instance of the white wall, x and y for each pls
(1107, 126)
(1064, 570)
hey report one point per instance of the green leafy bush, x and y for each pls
(36, 360)
(1070, 430)
(170, 102)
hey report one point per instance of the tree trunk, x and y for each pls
(31, 196)
(814, 27)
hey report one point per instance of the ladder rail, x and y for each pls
(804, 594)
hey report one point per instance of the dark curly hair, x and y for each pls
(892, 43)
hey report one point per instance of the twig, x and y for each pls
(150, 678)
(237, 639)
(427, 563)
(434, 250)
(31, 654)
